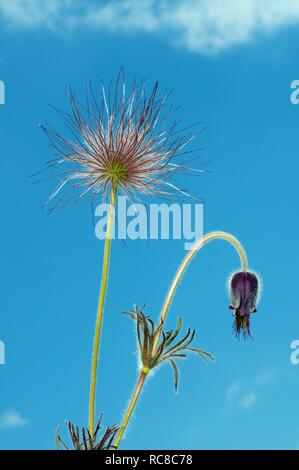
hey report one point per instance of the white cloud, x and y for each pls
(265, 378)
(31, 13)
(202, 26)
(239, 398)
(11, 419)
(233, 391)
(244, 397)
(247, 401)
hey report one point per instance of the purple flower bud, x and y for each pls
(244, 288)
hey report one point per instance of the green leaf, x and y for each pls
(172, 336)
(57, 440)
(130, 314)
(176, 374)
(204, 354)
(179, 345)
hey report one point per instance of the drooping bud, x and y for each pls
(244, 287)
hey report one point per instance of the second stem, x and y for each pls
(100, 311)
(244, 266)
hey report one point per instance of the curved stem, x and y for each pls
(197, 246)
(131, 407)
(100, 311)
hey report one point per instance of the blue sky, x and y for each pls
(235, 70)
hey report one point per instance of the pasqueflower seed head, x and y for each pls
(122, 139)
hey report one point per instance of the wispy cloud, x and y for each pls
(247, 401)
(202, 26)
(233, 391)
(243, 397)
(31, 13)
(239, 398)
(11, 419)
(265, 378)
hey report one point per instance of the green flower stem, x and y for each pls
(100, 312)
(210, 236)
(135, 396)
(144, 372)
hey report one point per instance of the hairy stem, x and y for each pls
(131, 407)
(100, 311)
(182, 268)
(197, 246)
